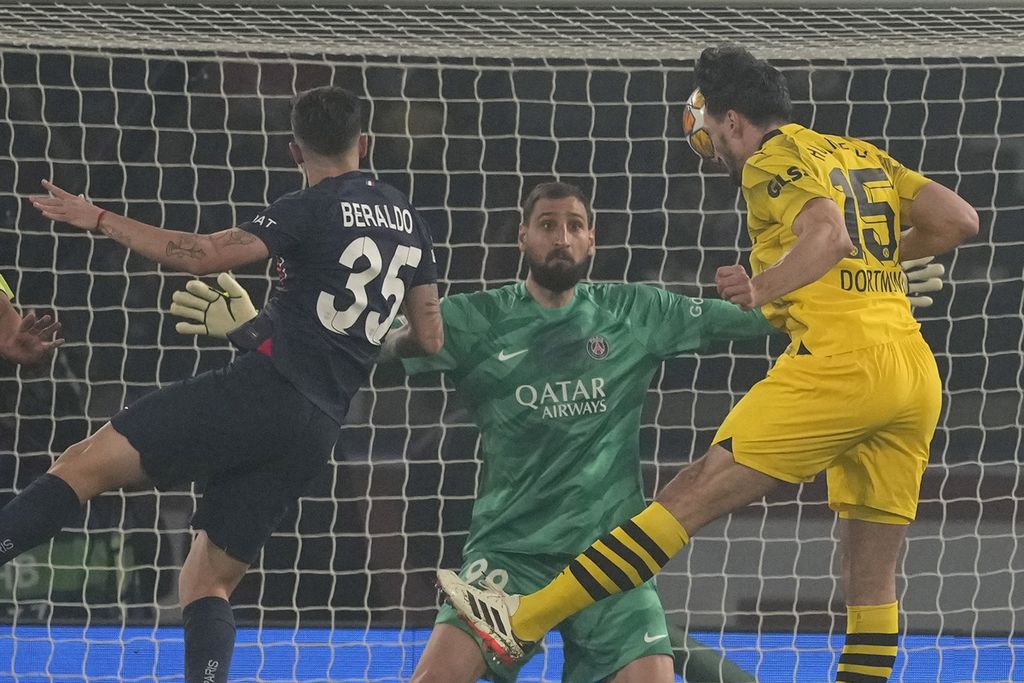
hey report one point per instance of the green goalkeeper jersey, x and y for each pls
(557, 395)
(6, 288)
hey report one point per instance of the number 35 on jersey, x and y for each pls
(392, 287)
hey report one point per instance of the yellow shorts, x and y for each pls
(866, 416)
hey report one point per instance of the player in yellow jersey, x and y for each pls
(25, 340)
(856, 394)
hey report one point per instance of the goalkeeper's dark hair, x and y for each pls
(328, 120)
(556, 191)
(732, 78)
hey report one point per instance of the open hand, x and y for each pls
(216, 312)
(60, 205)
(34, 340)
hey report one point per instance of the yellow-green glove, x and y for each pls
(216, 312)
(922, 276)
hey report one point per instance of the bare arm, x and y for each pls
(26, 340)
(196, 254)
(940, 220)
(424, 335)
(821, 242)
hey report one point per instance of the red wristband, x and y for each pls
(103, 212)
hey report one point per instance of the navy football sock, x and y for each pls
(36, 515)
(209, 640)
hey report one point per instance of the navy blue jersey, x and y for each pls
(347, 250)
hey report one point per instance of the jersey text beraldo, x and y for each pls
(358, 215)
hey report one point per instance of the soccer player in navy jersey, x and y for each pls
(350, 252)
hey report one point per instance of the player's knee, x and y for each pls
(429, 674)
(436, 673)
(76, 468)
(449, 663)
(72, 457)
(193, 585)
(208, 571)
(101, 462)
(647, 669)
(685, 482)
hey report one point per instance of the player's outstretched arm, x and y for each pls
(821, 242)
(424, 333)
(939, 221)
(214, 311)
(195, 254)
(26, 340)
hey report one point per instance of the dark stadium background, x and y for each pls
(465, 138)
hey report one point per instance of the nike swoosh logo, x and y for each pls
(502, 356)
(648, 638)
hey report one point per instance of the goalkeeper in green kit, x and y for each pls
(555, 372)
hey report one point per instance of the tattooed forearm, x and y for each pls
(236, 236)
(187, 247)
(122, 237)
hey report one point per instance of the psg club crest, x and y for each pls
(597, 347)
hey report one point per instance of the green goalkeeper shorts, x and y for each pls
(598, 641)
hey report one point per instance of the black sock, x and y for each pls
(209, 640)
(36, 515)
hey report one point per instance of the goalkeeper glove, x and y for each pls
(922, 276)
(216, 312)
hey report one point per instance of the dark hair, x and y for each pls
(555, 191)
(327, 120)
(732, 78)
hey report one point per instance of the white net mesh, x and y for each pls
(596, 32)
(179, 116)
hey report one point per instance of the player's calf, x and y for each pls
(36, 515)
(101, 462)
(451, 656)
(208, 577)
(872, 640)
(209, 640)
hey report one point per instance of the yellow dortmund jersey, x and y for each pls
(5, 288)
(862, 301)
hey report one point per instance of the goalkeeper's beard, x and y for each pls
(558, 273)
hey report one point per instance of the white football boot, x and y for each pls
(488, 611)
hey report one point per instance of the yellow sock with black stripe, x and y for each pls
(625, 558)
(872, 636)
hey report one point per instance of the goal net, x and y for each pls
(177, 114)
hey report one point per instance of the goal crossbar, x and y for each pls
(549, 32)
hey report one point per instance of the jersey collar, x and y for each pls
(768, 136)
(523, 295)
(357, 173)
(788, 129)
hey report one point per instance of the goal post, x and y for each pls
(177, 113)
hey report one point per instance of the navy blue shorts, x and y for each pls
(245, 434)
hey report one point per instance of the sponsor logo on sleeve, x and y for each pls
(776, 184)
